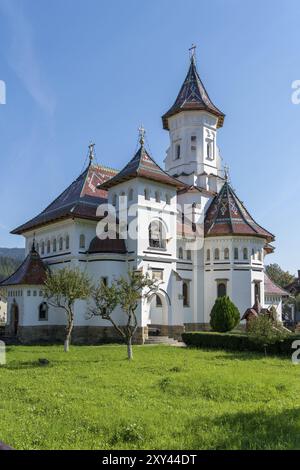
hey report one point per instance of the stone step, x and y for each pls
(161, 340)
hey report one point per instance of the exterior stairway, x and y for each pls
(162, 340)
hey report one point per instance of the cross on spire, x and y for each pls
(192, 51)
(91, 152)
(226, 173)
(142, 133)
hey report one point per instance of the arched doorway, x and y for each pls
(14, 319)
(157, 306)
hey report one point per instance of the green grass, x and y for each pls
(167, 398)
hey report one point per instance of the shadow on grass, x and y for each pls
(258, 430)
(26, 365)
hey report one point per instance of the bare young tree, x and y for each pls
(127, 292)
(62, 288)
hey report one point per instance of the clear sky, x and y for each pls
(81, 70)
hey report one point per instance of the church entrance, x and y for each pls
(14, 320)
(157, 311)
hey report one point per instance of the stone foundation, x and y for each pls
(197, 327)
(173, 331)
(81, 335)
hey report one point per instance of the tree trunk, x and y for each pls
(69, 332)
(129, 348)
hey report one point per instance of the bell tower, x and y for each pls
(192, 122)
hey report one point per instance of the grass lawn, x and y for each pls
(167, 398)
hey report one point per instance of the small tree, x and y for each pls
(224, 315)
(265, 332)
(126, 292)
(62, 288)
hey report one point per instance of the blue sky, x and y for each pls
(81, 70)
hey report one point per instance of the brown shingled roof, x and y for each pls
(193, 97)
(143, 166)
(107, 246)
(272, 288)
(80, 199)
(31, 272)
(227, 216)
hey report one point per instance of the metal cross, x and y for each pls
(192, 51)
(226, 173)
(91, 152)
(142, 133)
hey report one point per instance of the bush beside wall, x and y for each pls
(235, 342)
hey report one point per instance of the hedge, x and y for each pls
(235, 342)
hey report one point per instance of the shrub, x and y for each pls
(224, 315)
(265, 332)
(235, 342)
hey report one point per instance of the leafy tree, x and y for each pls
(224, 315)
(62, 288)
(127, 292)
(277, 275)
(265, 332)
(8, 266)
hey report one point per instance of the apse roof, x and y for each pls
(31, 272)
(228, 216)
(79, 200)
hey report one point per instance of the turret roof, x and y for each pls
(31, 272)
(193, 97)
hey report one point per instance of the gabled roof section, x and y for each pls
(31, 272)
(227, 216)
(142, 166)
(273, 289)
(80, 199)
(193, 97)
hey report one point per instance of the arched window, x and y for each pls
(245, 253)
(130, 195)
(188, 255)
(60, 244)
(54, 245)
(180, 253)
(157, 196)
(168, 199)
(222, 290)
(114, 200)
(226, 253)
(67, 242)
(146, 194)
(156, 235)
(236, 253)
(43, 248)
(177, 152)
(207, 255)
(185, 294)
(82, 241)
(43, 311)
(158, 301)
(257, 290)
(208, 149)
(217, 254)
(253, 253)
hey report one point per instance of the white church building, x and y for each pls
(184, 225)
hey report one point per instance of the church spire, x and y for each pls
(193, 96)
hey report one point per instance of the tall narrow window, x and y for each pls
(60, 244)
(257, 291)
(67, 242)
(207, 255)
(193, 142)
(188, 255)
(168, 199)
(226, 253)
(177, 152)
(253, 253)
(146, 194)
(180, 253)
(245, 254)
(43, 311)
(208, 150)
(82, 241)
(217, 254)
(157, 196)
(222, 290)
(185, 294)
(48, 246)
(156, 235)
(158, 302)
(114, 200)
(130, 195)
(43, 248)
(236, 253)
(54, 245)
